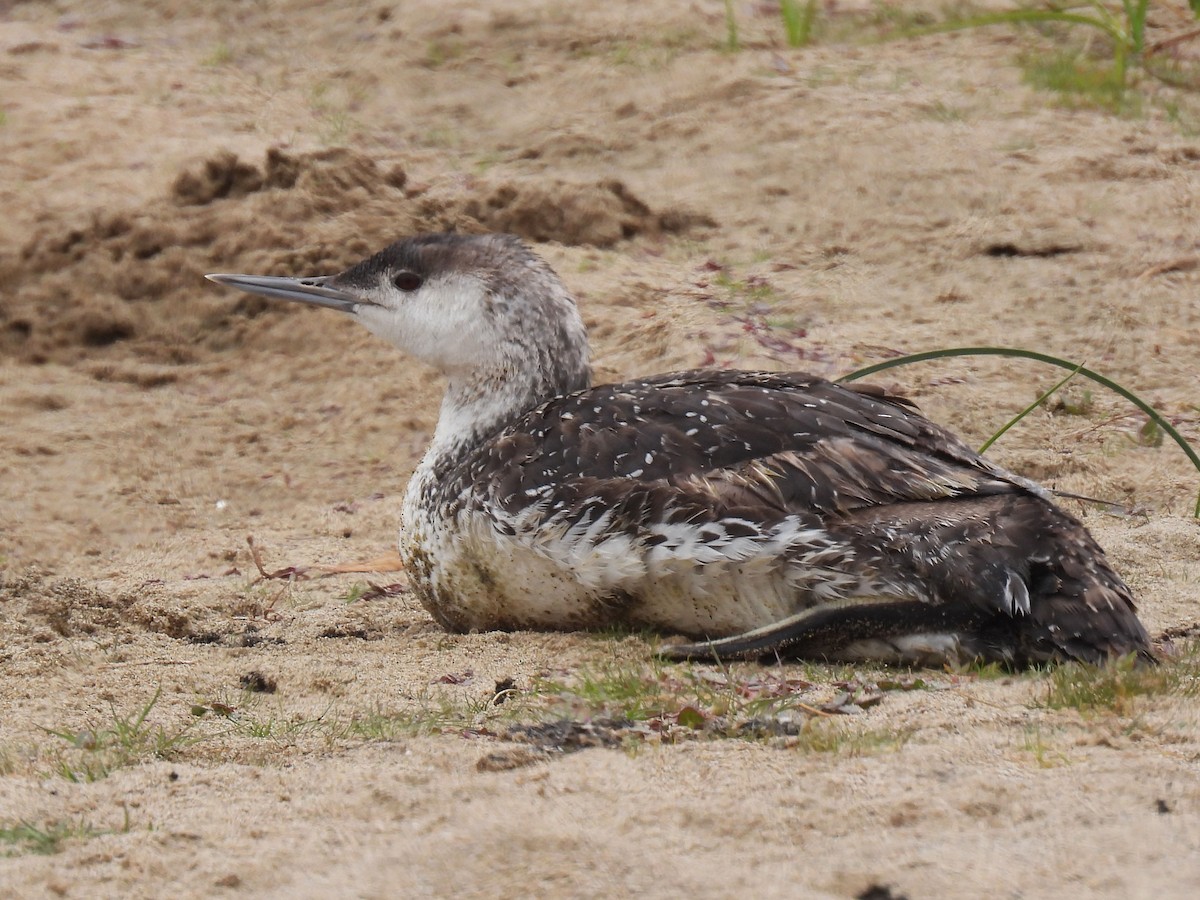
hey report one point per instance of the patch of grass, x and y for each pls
(221, 55)
(625, 703)
(1092, 53)
(25, 837)
(486, 161)
(732, 44)
(1072, 403)
(1017, 145)
(281, 729)
(648, 55)
(444, 138)
(333, 105)
(1173, 72)
(1121, 26)
(383, 726)
(240, 716)
(798, 18)
(125, 740)
(673, 703)
(785, 323)
(826, 736)
(1148, 435)
(433, 712)
(754, 288)
(433, 716)
(943, 112)
(336, 127)
(985, 671)
(751, 324)
(438, 712)
(1185, 119)
(1044, 753)
(8, 761)
(1117, 686)
(438, 53)
(1081, 81)
(900, 16)
(1062, 404)
(835, 673)
(798, 21)
(618, 690)
(623, 54)
(648, 50)
(614, 632)
(356, 591)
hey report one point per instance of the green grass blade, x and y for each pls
(1030, 408)
(145, 711)
(731, 28)
(1137, 401)
(798, 21)
(1135, 14)
(1022, 17)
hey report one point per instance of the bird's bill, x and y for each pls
(300, 290)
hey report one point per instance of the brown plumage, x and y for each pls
(756, 513)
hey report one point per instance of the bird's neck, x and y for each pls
(545, 357)
(478, 405)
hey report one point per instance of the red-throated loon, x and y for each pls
(757, 513)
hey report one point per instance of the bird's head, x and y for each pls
(480, 308)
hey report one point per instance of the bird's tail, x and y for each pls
(1079, 608)
(1010, 579)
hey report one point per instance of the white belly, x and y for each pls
(473, 577)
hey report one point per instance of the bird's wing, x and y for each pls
(709, 445)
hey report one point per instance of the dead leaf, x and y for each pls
(285, 572)
(376, 591)
(389, 562)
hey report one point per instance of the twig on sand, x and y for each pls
(1183, 264)
(286, 572)
(389, 562)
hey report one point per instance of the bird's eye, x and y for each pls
(408, 281)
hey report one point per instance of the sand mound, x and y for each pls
(600, 214)
(133, 279)
(48, 609)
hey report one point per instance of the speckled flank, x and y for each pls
(753, 512)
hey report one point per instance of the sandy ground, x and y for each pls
(817, 209)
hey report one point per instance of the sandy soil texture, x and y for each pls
(173, 723)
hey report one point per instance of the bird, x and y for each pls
(754, 514)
